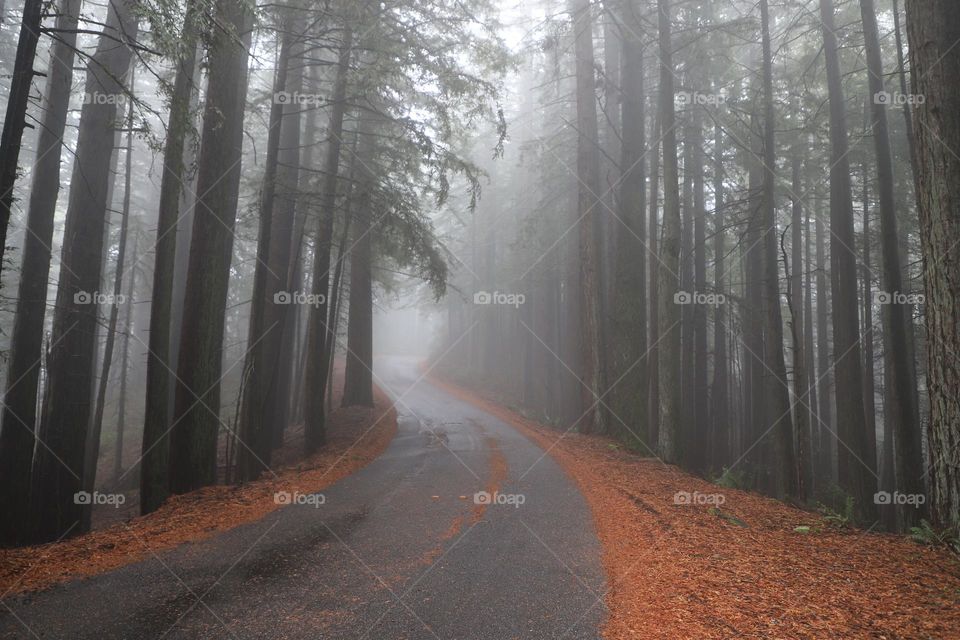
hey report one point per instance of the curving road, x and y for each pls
(395, 551)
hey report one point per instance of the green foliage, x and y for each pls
(839, 519)
(927, 534)
(734, 479)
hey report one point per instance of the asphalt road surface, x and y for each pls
(400, 549)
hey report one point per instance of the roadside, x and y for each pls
(356, 436)
(687, 558)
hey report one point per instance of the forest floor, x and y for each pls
(738, 567)
(355, 436)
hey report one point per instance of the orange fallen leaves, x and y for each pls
(201, 514)
(680, 571)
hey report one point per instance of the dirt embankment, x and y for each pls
(355, 436)
(680, 564)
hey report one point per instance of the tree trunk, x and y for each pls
(155, 451)
(670, 427)
(193, 438)
(856, 470)
(653, 277)
(358, 375)
(15, 120)
(900, 394)
(125, 368)
(92, 452)
(629, 299)
(592, 343)
(269, 298)
(933, 28)
(318, 338)
(26, 351)
(720, 432)
(59, 466)
(827, 439)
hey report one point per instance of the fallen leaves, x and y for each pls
(753, 568)
(356, 436)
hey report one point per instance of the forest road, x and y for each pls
(401, 549)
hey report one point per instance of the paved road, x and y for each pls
(394, 552)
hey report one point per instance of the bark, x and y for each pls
(318, 335)
(358, 375)
(899, 384)
(653, 271)
(159, 386)
(193, 438)
(266, 322)
(629, 301)
(15, 120)
(826, 447)
(26, 351)
(589, 226)
(93, 442)
(124, 369)
(59, 467)
(670, 427)
(720, 433)
(933, 28)
(856, 471)
(798, 322)
(701, 391)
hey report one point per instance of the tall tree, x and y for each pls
(592, 343)
(20, 399)
(933, 28)
(318, 332)
(15, 120)
(59, 466)
(899, 385)
(116, 301)
(270, 278)
(857, 471)
(154, 481)
(193, 438)
(629, 302)
(669, 360)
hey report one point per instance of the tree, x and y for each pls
(20, 399)
(92, 452)
(15, 120)
(933, 27)
(899, 383)
(776, 389)
(270, 277)
(669, 357)
(59, 465)
(155, 450)
(318, 331)
(857, 471)
(629, 303)
(589, 227)
(193, 437)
